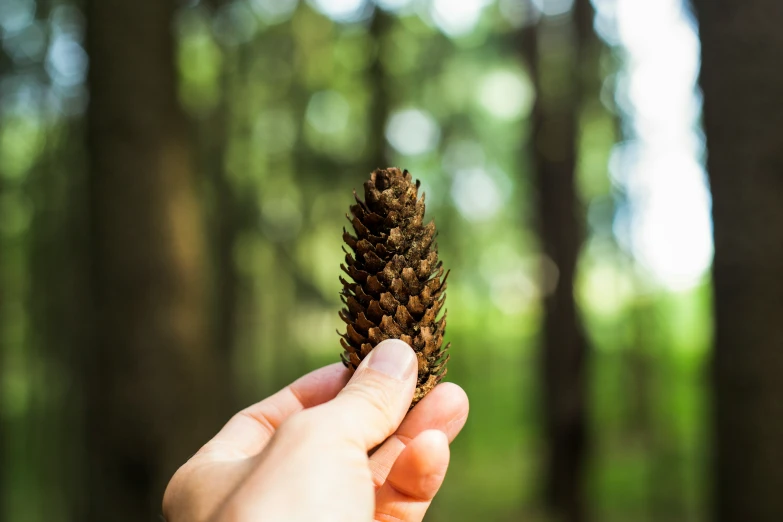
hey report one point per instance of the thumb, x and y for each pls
(378, 396)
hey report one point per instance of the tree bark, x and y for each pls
(741, 79)
(148, 375)
(560, 84)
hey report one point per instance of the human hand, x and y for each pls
(302, 454)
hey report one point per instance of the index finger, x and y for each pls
(248, 432)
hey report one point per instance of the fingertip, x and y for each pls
(393, 358)
(451, 395)
(421, 467)
(431, 442)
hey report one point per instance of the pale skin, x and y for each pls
(304, 454)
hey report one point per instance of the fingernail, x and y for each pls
(393, 358)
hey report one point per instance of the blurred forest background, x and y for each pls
(173, 183)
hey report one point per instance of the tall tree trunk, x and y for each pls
(5, 68)
(559, 81)
(148, 378)
(3, 371)
(379, 110)
(742, 82)
(226, 222)
(226, 231)
(3, 387)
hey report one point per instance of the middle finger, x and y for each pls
(445, 408)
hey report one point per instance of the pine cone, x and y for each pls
(399, 285)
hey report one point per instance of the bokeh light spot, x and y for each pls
(476, 194)
(412, 132)
(506, 95)
(66, 61)
(16, 14)
(341, 10)
(393, 5)
(553, 7)
(274, 11)
(457, 18)
(328, 112)
(234, 24)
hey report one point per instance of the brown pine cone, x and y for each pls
(399, 285)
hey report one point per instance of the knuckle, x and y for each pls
(373, 394)
(298, 424)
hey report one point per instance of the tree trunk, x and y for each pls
(226, 224)
(147, 378)
(379, 109)
(5, 68)
(742, 82)
(560, 84)
(4, 424)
